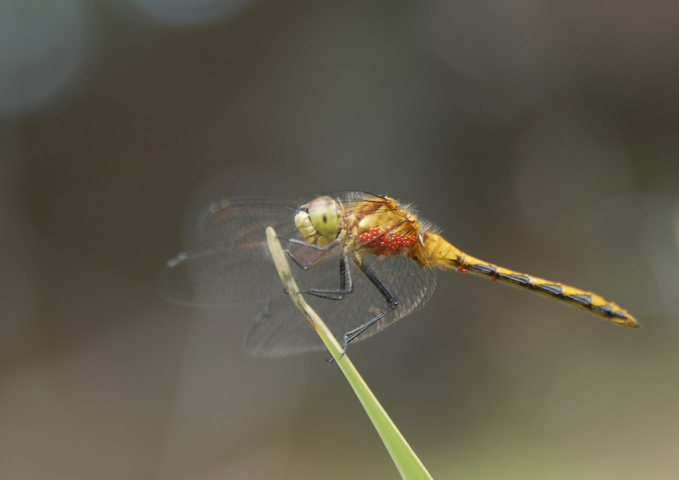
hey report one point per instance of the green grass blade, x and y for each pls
(403, 456)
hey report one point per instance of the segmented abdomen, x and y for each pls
(443, 254)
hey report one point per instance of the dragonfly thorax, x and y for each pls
(383, 227)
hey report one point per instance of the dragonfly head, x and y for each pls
(319, 220)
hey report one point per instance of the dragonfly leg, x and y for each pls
(346, 283)
(306, 266)
(392, 303)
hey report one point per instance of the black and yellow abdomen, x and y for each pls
(439, 253)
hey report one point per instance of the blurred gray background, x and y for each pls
(539, 135)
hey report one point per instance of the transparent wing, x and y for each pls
(234, 266)
(280, 329)
(238, 220)
(242, 219)
(215, 276)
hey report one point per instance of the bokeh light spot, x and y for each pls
(43, 45)
(179, 12)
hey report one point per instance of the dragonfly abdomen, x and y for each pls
(443, 254)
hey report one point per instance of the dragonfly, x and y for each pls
(363, 261)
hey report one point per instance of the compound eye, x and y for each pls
(324, 216)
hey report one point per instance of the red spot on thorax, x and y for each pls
(385, 242)
(462, 270)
